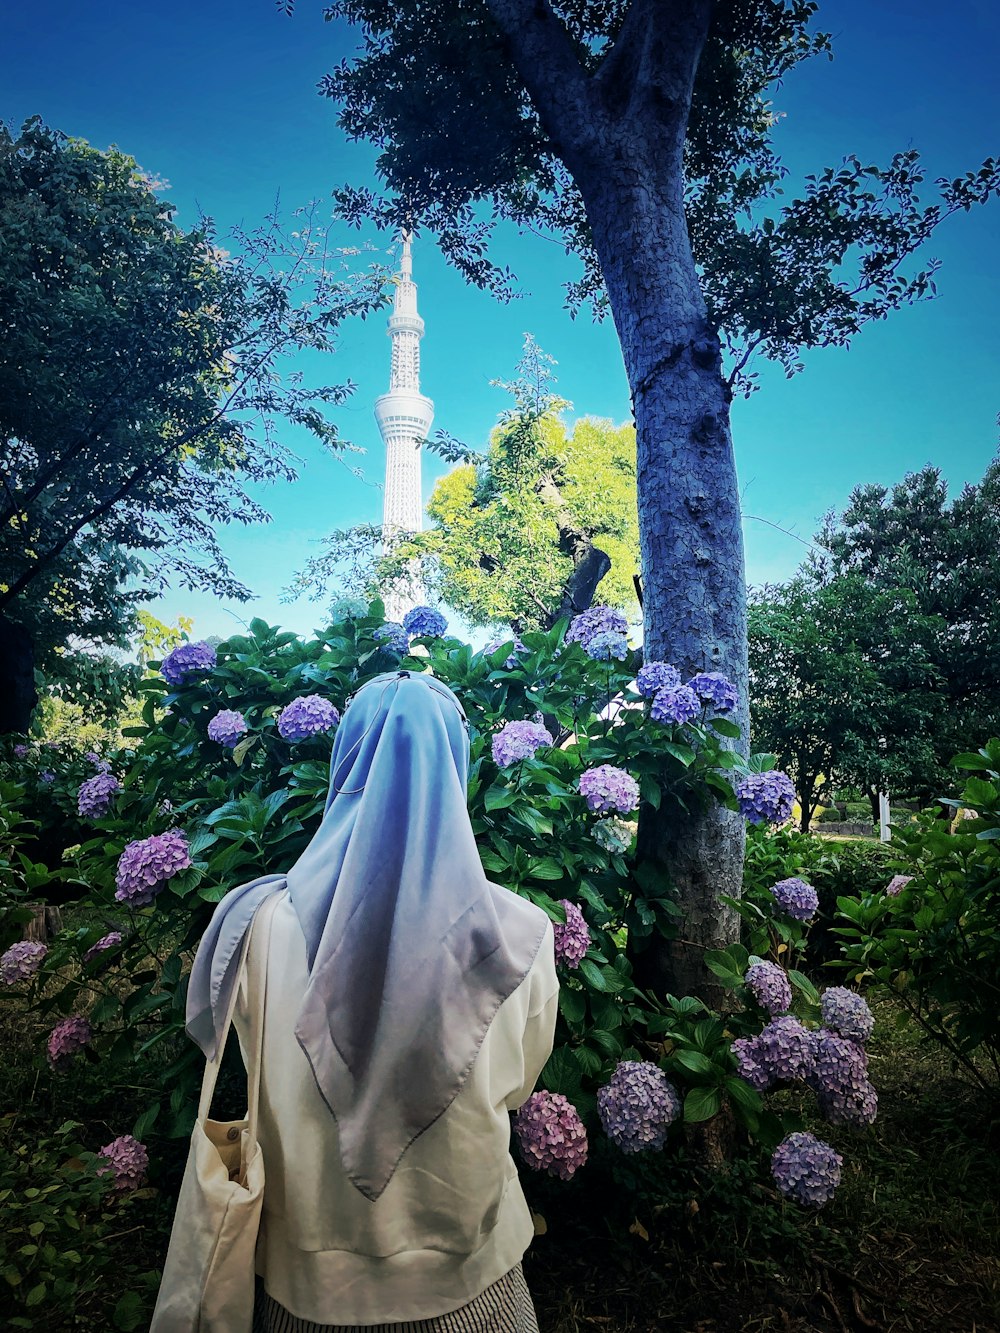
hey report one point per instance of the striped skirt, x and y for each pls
(504, 1307)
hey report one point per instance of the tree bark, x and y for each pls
(18, 695)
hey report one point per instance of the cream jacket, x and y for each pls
(452, 1219)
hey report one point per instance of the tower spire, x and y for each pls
(404, 416)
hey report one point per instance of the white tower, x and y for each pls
(404, 417)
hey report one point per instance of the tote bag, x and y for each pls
(208, 1277)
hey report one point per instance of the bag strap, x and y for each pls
(212, 1067)
(258, 1013)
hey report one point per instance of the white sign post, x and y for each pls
(884, 832)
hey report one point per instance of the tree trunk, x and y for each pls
(694, 588)
(18, 695)
(807, 796)
(45, 922)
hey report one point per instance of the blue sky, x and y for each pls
(219, 98)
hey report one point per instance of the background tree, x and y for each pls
(138, 390)
(640, 134)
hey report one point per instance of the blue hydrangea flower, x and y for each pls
(781, 1053)
(596, 620)
(806, 1169)
(96, 795)
(46, 777)
(312, 715)
(637, 1106)
(186, 660)
(424, 622)
(847, 1013)
(227, 728)
(518, 740)
(393, 637)
(614, 835)
(713, 687)
(607, 646)
(839, 1077)
(748, 1065)
(608, 788)
(655, 676)
(675, 704)
(146, 865)
(766, 797)
(796, 898)
(769, 986)
(510, 662)
(348, 608)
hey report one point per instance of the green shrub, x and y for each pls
(829, 815)
(936, 943)
(773, 855)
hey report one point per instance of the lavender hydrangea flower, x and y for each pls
(572, 939)
(510, 662)
(712, 686)
(21, 752)
(393, 637)
(518, 740)
(46, 777)
(638, 1106)
(608, 788)
(614, 835)
(146, 865)
(607, 646)
(766, 797)
(596, 620)
(796, 898)
(92, 757)
(655, 676)
(770, 987)
(127, 1161)
(96, 795)
(551, 1135)
(67, 1038)
(109, 941)
(227, 728)
(424, 622)
(846, 1013)
(312, 715)
(839, 1077)
(21, 961)
(188, 659)
(781, 1053)
(675, 704)
(806, 1169)
(897, 884)
(348, 608)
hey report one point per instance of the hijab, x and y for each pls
(411, 950)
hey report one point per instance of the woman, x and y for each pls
(410, 1005)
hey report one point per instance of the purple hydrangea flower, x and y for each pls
(766, 797)
(92, 757)
(393, 637)
(839, 1077)
(21, 961)
(227, 728)
(796, 898)
(146, 865)
(572, 939)
(781, 1053)
(96, 795)
(109, 941)
(424, 622)
(596, 620)
(614, 835)
(127, 1161)
(607, 646)
(21, 751)
(311, 715)
(550, 1134)
(518, 740)
(897, 884)
(67, 1038)
(846, 1013)
(675, 704)
(608, 788)
(770, 987)
(509, 662)
(655, 676)
(713, 686)
(188, 659)
(46, 777)
(638, 1106)
(806, 1169)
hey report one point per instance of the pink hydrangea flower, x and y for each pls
(551, 1135)
(21, 961)
(127, 1161)
(67, 1039)
(572, 939)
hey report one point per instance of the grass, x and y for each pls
(910, 1243)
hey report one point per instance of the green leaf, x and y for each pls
(36, 1295)
(499, 798)
(593, 975)
(702, 1104)
(803, 984)
(128, 1312)
(572, 1005)
(562, 1073)
(546, 868)
(694, 1061)
(725, 727)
